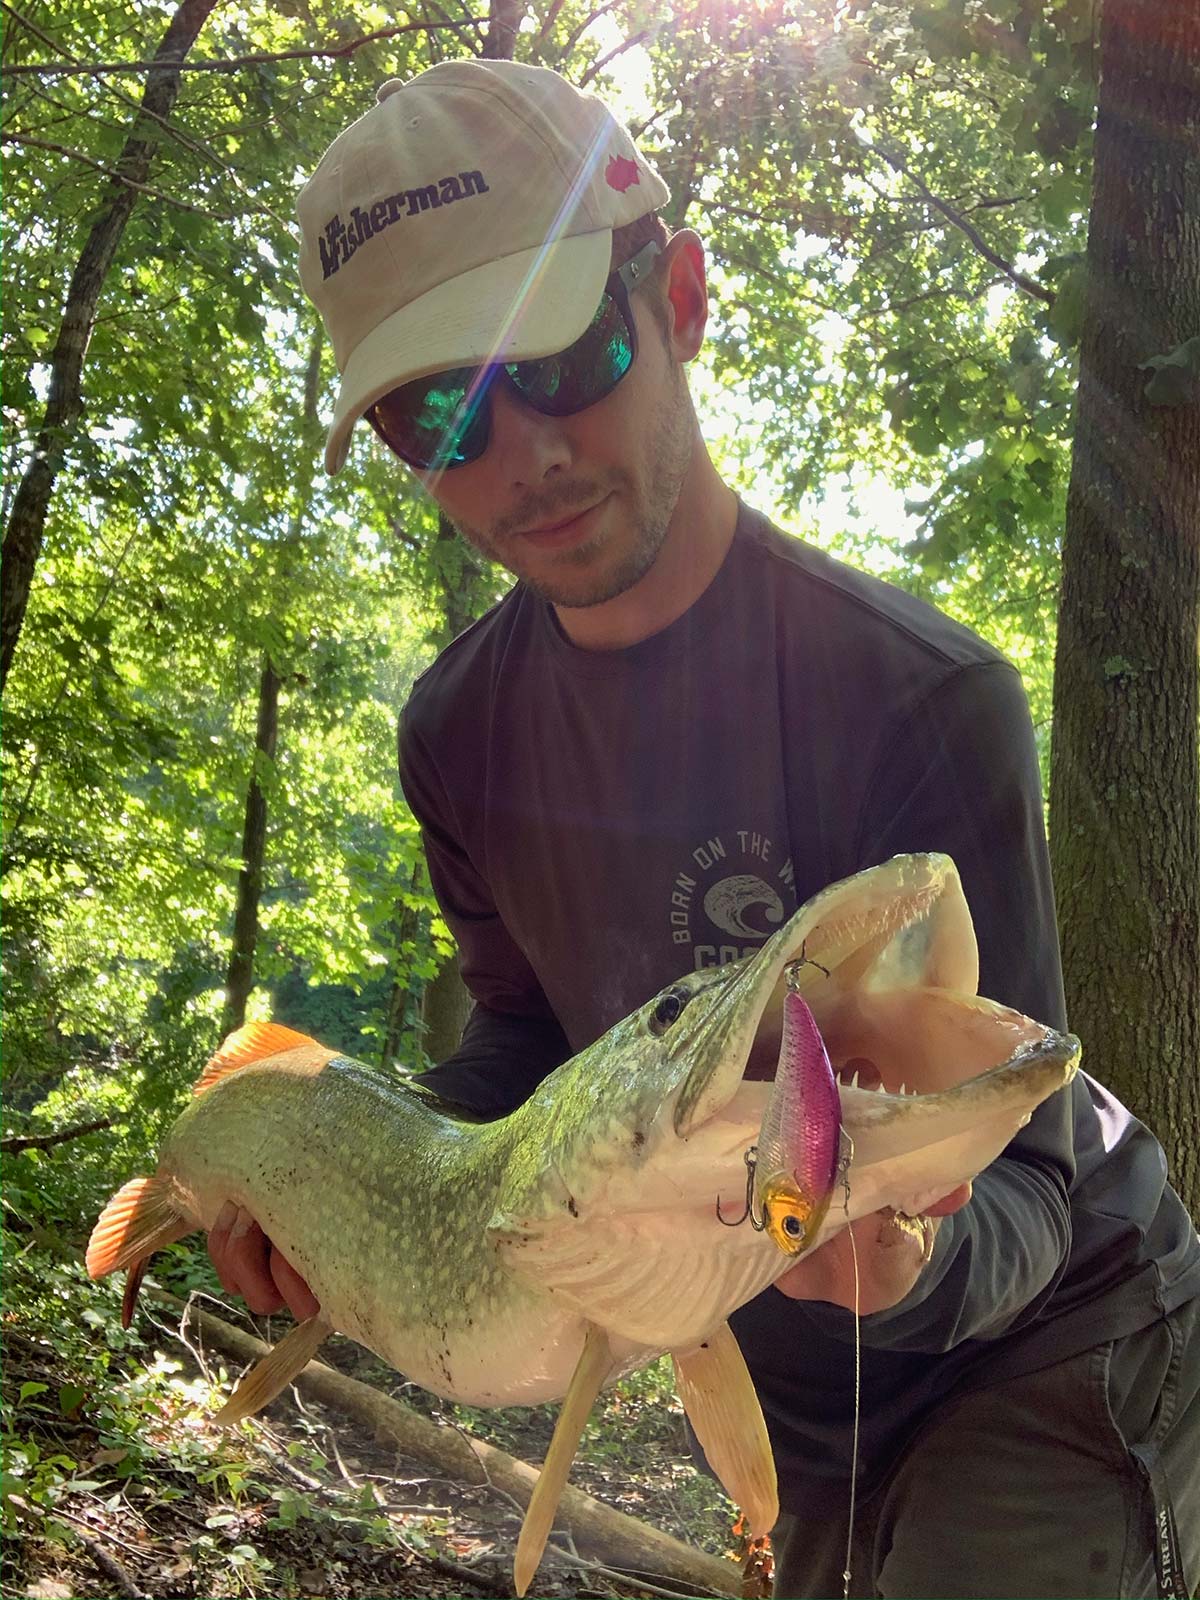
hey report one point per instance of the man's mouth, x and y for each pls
(562, 530)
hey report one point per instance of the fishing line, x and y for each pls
(846, 1571)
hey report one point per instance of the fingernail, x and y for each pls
(226, 1215)
(242, 1226)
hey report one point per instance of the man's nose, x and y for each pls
(527, 447)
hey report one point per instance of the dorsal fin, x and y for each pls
(255, 1042)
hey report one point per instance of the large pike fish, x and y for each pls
(542, 1255)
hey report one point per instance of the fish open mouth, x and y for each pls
(888, 963)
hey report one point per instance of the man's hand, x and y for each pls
(890, 1258)
(247, 1263)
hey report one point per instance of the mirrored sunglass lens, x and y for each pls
(436, 422)
(584, 372)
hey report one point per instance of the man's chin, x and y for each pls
(586, 593)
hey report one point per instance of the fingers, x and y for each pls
(248, 1264)
(954, 1201)
(873, 1274)
(240, 1253)
(300, 1299)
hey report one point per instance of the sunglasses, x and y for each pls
(444, 420)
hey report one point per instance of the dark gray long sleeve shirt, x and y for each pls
(598, 823)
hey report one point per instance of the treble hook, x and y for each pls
(750, 1157)
(802, 960)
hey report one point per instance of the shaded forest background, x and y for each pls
(955, 252)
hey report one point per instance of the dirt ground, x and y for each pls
(308, 1508)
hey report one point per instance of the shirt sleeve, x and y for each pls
(961, 775)
(500, 1062)
(512, 1038)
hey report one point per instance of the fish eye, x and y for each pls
(791, 1226)
(668, 1009)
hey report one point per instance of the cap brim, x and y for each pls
(529, 304)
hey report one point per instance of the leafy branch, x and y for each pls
(617, 50)
(28, 139)
(26, 524)
(46, 69)
(898, 164)
(46, 1141)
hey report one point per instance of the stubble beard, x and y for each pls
(668, 456)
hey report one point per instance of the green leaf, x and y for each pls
(1176, 376)
(70, 1398)
(1059, 199)
(925, 436)
(1065, 317)
(28, 1390)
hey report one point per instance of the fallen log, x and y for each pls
(612, 1537)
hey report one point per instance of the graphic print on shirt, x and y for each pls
(734, 891)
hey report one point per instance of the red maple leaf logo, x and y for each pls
(620, 173)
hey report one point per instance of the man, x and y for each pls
(676, 727)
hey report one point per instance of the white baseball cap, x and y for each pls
(467, 218)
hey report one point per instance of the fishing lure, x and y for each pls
(793, 1170)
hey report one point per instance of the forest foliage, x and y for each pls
(894, 201)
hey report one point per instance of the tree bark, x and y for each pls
(240, 979)
(403, 987)
(504, 18)
(1125, 781)
(446, 1004)
(27, 520)
(445, 1007)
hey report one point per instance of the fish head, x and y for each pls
(637, 1148)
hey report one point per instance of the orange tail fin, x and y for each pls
(137, 1221)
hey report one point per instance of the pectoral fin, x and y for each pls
(594, 1365)
(275, 1371)
(723, 1408)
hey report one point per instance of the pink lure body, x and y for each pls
(801, 1130)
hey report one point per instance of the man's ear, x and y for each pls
(683, 272)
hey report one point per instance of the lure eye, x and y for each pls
(790, 1219)
(668, 1009)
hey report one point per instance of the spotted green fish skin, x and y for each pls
(474, 1256)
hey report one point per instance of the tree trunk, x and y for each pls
(504, 18)
(26, 524)
(403, 986)
(240, 980)
(445, 1007)
(446, 1004)
(1124, 782)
